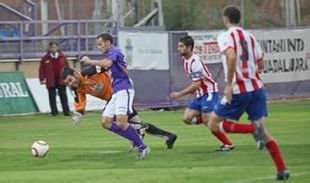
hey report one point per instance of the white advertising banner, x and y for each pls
(145, 51)
(40, 95)
(286, 52)
(206, 46)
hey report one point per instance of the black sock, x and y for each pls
(157, 131)
(138, 126)
(135, 125)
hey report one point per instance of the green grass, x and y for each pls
(90, 154)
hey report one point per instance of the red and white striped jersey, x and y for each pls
(197, 71)
(248, 53)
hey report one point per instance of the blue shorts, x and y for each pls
(205, 103)
(253, 103)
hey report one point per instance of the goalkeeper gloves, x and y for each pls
(77, 117)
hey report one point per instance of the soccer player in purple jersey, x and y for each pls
(120, 104)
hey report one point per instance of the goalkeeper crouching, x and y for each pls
(96, 82)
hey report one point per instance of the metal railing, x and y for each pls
(76, 37)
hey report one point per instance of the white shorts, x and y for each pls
(120, 103)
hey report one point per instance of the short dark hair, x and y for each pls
(106, 37)
(232, 13)
(67, 71)
(51, 43)
(187, 41)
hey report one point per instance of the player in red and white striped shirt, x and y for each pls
(244, 92)
(248, 59)
(200, 108)
(198, 72)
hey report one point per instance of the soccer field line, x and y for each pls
(109, 152)
(268, 178)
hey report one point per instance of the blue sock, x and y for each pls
(130, 133)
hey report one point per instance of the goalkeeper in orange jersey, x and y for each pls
(96, 82)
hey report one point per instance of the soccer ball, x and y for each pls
(39, 149)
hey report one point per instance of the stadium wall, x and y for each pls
(156, 69)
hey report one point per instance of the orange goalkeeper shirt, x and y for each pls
(98, 85)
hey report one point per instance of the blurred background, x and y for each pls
(176, 14)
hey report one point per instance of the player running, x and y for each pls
(120, 105)
(96, 82)
(244, 91)
(199, 109)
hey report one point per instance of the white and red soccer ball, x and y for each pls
(39, 149)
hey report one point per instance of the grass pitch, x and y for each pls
(90, 154)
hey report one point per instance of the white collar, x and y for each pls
(54, 55)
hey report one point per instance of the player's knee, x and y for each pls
(213, 127)
(105, 123)
(122, 125)
(187, 120)
(205, 119)
(121, 118)
(206, 123)
(122, 121)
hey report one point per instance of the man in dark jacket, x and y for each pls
(51, 67)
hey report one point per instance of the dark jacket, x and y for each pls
(51, 69)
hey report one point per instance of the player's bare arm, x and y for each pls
(102, 63)
(188, 90)
(231, 67)
(260, 65)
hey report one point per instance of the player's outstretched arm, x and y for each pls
(188, 90)
(231, 68)
(260, 65)
(106, 63)
(77, 118)
(91, 70)
(79, 105)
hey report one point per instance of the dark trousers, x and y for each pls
(63, 99)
